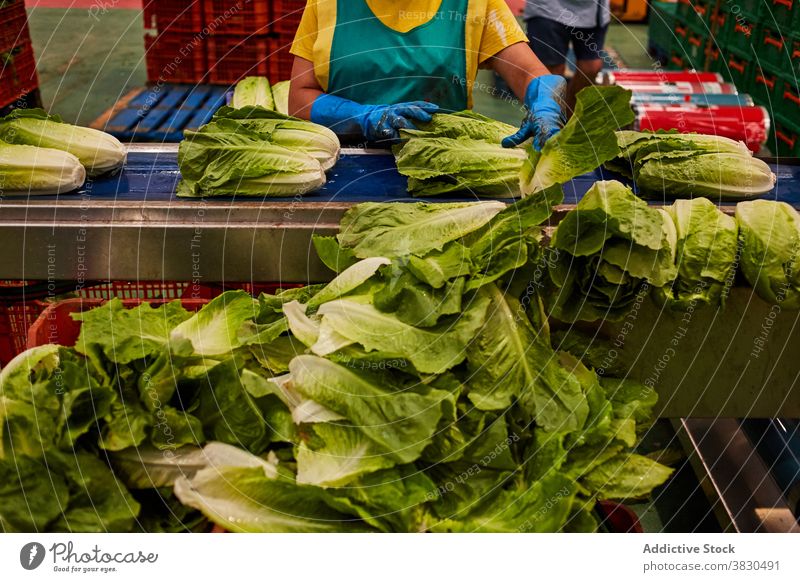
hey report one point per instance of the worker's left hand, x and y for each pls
(544, 99)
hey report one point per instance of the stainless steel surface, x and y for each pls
(83, 238)
(188, 240)
(737, 361)
(735, 479)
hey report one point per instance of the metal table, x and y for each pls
(133, 227)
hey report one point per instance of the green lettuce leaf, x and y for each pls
(396, 230)
(770, 237)
(400, 419)
(430, 350)
(585, 142)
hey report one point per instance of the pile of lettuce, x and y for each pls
(419, 390)
(461, 152)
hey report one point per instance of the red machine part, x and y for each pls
(748, 124)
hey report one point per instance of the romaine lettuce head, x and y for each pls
(253, 91)
(439, 165)
(227, 158)
(605, 250)
(98, 151)
(690, 164)
(635, 145)
(770, 240)
(462, 124)
(300, 135)
(705, 254)
(722, 175)
(26, 170)
(280, 94)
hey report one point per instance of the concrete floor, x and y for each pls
(87, 60)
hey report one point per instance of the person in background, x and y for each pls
(368, 68)
(554, 24)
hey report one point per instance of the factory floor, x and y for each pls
(89, 57)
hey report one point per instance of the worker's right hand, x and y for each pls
(374, 122)
(383, 122)
(544, 100)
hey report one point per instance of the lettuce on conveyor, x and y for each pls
(605, 251)
(462, 152)
(705, 254)
(299, 135)
(98, 151)
(226, 158)
(459, 152)
(667, 164)
(253, 91)
(30, 170)
(770, 250)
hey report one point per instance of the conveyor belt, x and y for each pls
(151, 173)
(133, 227)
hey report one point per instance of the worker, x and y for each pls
(372, 67)
(555, 24)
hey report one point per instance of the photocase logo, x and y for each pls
(31, 555)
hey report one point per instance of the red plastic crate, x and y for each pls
(174, 15)
(13, 27)
(241, 17)
(280, 64)
(232, 57)
(17, 74)
(15, 320)
(286, 15)
(178, 57)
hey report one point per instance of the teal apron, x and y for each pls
(372, 64)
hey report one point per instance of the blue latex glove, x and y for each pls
(543, 98)
(374, 122)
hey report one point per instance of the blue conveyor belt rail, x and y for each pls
(359, 176)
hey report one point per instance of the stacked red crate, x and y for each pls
(220, 41)
(17, 64)
(175, 44)
(251, 37)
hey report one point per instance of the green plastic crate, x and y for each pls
(696, 43)
(718, 29)
(763, 88)
(716, 60)
(770, 46)
(787, 99)
(677, 61)
(791, 63)
(738, 70)
(782, 13)
(751, 9)
(690, 47)
(739, 33)
(683, 11)
(784, 138)
(698, 15)
(662, 26)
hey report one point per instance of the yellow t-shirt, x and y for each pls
(490, 27)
